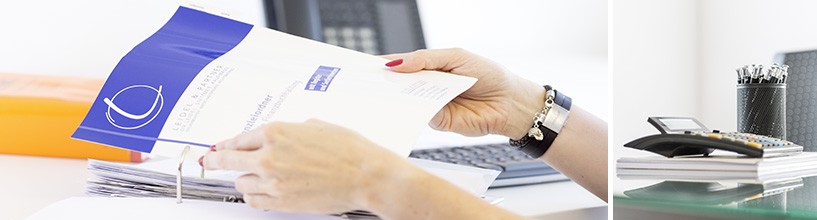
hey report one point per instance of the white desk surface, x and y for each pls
(28, 184)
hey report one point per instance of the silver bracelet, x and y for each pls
(540, 117)
(546, 124)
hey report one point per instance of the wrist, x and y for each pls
(525, 103)
(386, 184)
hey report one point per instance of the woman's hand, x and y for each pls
(320, 168)
(499, 103)
(311, 167)
(503, 103)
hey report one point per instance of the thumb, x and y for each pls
(440, 59)
(437, 121)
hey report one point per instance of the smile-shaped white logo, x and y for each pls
(136, 120)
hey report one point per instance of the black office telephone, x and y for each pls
(369, 26)
(681, 136)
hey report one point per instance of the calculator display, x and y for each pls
(676, 124)
(680, 124)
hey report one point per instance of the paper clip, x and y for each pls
(179, 175)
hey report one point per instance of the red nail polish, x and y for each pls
(201, 161)
(213, 148)
(394, 63)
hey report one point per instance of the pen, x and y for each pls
(785, 73)
(740, 76)
(758, 74)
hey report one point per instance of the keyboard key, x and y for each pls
(512, 163)
(524, 165)
(489, 166)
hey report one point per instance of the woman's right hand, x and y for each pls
(499, 103)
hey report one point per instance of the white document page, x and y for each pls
(203, 78)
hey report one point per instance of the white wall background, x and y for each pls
(86, 37)
(557, 42)
(678, 57)
(655, 65)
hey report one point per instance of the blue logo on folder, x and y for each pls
(131, 98)
(321, 79)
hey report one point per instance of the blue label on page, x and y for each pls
(321, 79)
(136, 100)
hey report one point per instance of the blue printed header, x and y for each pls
(135, 102)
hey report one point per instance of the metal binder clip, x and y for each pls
(179, 175)
(202, 172)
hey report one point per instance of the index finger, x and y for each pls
(232, 160)
(249, 141)
(435, 59)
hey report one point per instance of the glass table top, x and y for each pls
(784, 198)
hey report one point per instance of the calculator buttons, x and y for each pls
(746, 139)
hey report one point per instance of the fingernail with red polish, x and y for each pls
(394, 63)
(201, 161)
(213, 148)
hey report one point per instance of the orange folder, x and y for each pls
(38, 114)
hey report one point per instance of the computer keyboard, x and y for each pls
(516, 167)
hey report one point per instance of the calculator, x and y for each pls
(682, 136)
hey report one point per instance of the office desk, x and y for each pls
(28, 184)
(656, 199)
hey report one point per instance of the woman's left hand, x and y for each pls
(310, 167)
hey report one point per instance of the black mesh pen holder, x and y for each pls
(762, 109)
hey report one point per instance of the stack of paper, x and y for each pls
(157, 178)
(159, 208)
(718, 167)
